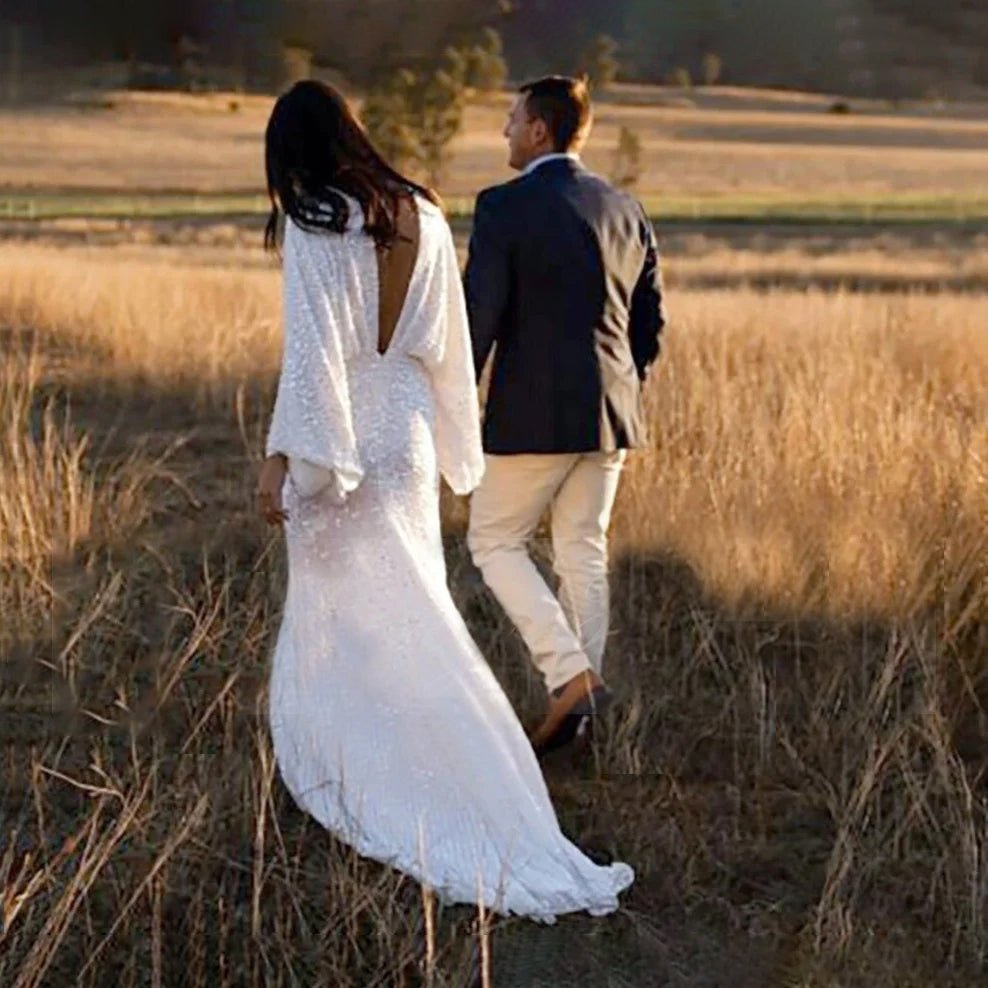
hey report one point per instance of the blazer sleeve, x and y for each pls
(458, 444)
(487, 278)
(647, 316)
(312, 422)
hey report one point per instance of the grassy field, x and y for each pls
(797, 766)
(721, 153)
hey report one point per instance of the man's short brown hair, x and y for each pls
(564, 106)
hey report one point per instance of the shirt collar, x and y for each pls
(552, 156)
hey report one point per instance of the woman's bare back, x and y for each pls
(395, 266)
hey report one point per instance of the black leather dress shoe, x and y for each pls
(579, 717)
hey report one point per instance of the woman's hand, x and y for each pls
(270, 481)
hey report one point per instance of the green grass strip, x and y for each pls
(733, 209)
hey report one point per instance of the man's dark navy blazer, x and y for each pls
(563, 282)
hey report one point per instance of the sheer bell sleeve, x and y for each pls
(312, 423)
(458, 445)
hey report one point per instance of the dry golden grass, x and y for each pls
(870, 399)
(819, 451)
(856, 258)
(727, 146)
(823, 453)
(146, 323)
(794, 259)
(797, 767)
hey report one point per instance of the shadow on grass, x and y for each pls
(792, 794)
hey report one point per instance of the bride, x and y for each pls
(387, 724)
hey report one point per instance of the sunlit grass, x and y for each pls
(796, 761)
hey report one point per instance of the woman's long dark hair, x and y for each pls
(315, 148)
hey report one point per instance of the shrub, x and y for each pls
(626, 167)
(680, 76)
(600, 61)
(713, 67)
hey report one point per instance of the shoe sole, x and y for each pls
(599, 699)
(569, 726)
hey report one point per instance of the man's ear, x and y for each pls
(540, 131)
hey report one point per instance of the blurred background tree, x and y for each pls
(680, 78)
(487, 70)
(713, 66)
(365, 39)
(387, 115)
(600, 62)
(437, 108)
(626, 166)
(414, 117)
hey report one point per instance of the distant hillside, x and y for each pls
(904, 48)
(890, 48)
(883, 48)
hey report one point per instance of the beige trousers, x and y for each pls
(565, 636)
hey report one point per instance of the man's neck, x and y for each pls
(548, 156)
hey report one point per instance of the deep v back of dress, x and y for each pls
(395, 267)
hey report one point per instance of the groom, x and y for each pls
(563, 283)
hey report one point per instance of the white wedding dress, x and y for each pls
(388, 725)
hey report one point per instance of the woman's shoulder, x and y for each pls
(433, 225)
(324, 214)
(426, 207)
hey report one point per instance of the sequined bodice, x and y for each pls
(331, 350)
